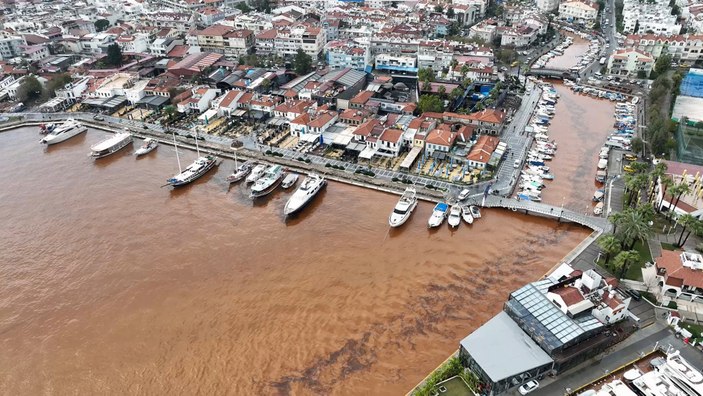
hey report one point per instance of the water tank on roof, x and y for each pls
(400, 86)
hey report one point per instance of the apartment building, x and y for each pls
(579, 11)
(10, 47)
(222, 39)
(346, 53)
(162, 46)
(547, 5)
(630, 62)
(310, 39)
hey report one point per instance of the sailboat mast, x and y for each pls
(175, 145)
(196, 143)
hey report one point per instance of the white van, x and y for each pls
(516, 164)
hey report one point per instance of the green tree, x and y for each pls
(686, 221)
(646, 211)
(639, 167)
(678, 190)
(425, 74)
(657, 173)
(430, 103)
(266, 84)
(455, 93)
(441, 90)
(302, 63)
(663, 64)
(30, 89)
(610, 245)
(696, 227)
(616, 219)
(426, 86)
(114, 55)
(101, 24)
(624, 260)
(641, 74)
(169, 111)
(633, 227)
(699, 125)
(450, 13)
(634, 185)
(637, 145)
(55, 83)
(438, 8)
(666, 182)
(243, 7)
(675, 10)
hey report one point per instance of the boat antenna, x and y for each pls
(175, 145)
(197, 148)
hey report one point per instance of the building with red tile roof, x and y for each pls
(481, 151)
(680, 275)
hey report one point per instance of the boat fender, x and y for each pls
(514, 209)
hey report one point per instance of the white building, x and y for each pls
(74, 90)
(162, 46)
(630, 62)
(199, 100)
(580, 11)
(547, 5)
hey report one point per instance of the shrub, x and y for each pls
(395, 179)
(673, 305)
(328, 165)
(267, 152)
(699, 247)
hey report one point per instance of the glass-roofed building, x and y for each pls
(545, 327)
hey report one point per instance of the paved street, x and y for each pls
(627, 351)
(517, 141)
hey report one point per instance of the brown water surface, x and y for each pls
(112, 285)
(580, 127)
(570, 57)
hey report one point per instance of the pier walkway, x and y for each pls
(555, 212)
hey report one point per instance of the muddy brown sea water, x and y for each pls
(110, 284)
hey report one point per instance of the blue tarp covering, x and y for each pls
(486, 89)
(692, 84)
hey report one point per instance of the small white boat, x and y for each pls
(464, 194)
(241, 172)
(289, 180)
(148, 146)
(111, 145)
(598, 210)
(404, 208)
(475, 211)
(46, 128)
(454, 216)
(311, 185)
(438, 215)
(466, 214)
(256, 173)
(65, 131)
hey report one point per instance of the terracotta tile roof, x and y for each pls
(366, 128)
(302, 119)
(441, 137)
(570, 295)
(671, 262)
(362, 97)
(482, 150)
(391, 135)
(321, 120)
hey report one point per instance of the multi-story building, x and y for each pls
(547, 5)
(521, 36)
(343, 53)
(656, 45)
(222, 39)
(652, 18)
(485, 30)
(679, 276)
(436, 54)
(310, 39)
(579, 11)
(73, 90)
(630, 62)
(96, 43)
(162, 46)
(693, 51)
(35, 52)
(10, 47)
(398, 63)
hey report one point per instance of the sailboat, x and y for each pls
(195, 170)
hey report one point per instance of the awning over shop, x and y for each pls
(367, 153)
(410, 159)
(355, 146)
(154, 101)
(310, 137)
(439, 155)
(238, 113)
(208, 116)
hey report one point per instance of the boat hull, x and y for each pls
(395, 222)
(64, 136)
(267, 191)
(144, 151)
(292, 209)
(193, 177)
(112, 150)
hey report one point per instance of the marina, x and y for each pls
(157, 328)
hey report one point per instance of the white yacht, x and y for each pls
(256, 173)
(475, 211)
(198, 168)
(63, 132)
(454, 216)
(111, 145)
(404, 208)
(466, 214)
(438, 214)
(148, 146)
(311, 185)
(267, 182)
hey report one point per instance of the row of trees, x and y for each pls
(660, 128)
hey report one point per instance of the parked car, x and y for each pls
(98, 117)
(528, 387)
(635, 294)
(628, 169)
(630, 157)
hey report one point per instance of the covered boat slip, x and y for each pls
(107, 103)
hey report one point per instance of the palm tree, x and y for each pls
(441, 90)
(658, 172)
(686, 221)
(666, 182)
(677, 190)
(616, 219)
(464, 70)
(639, 167)
(633, 227)
(646, 211)
(610, 245)
(624, 260)
(634, 185)
(696, 226)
